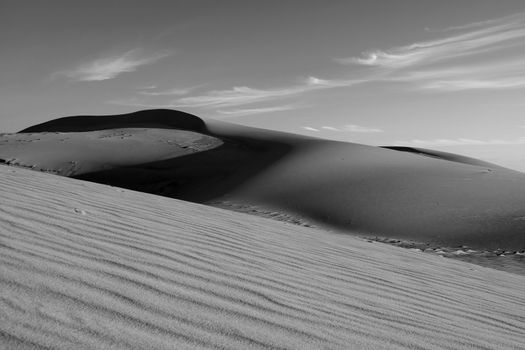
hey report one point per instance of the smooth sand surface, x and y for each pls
(422, 195)
(87, 266)
(77, 153)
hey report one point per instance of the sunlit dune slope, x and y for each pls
(444, 156)
(76, 153)
(422, 195)
(87, 266)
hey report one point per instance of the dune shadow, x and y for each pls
(197, 177)
(152, 118)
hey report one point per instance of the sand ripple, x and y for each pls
(86, 266)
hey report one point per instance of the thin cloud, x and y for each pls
(508, 20)
(317, 83)
(251, 111)
(105, 68)
(135, 102)
(351, 128)
(243, 95)
(488, 75)
(148, 87)
(170, 92)
(459, 85)
(435, 64)
(148, 91)
(496, 35)
(224, 102)
(309, 128)
(329, 128)
(237, 96)
(362, 129)
(464, 60)
(460, 142)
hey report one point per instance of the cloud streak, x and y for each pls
(262, 110)
(170, 92)
(309, 128)
(110, 67)
(474, 84)
(152, 91)
(358, 128)
(477, 56)
(499, 34)
(460, 142)
(465, 60)
(344, 128)
(430, 65)
(507, 74)
(243, 95)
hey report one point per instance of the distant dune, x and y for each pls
(87, 266)
(415, 194)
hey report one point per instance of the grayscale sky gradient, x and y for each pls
(447, 75)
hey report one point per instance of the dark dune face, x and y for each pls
(193, 169)
(154, 118)
(416, 194)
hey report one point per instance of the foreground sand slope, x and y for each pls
(423, 195)
(87, 266)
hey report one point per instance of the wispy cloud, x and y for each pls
(237, 96)
(351, 128)
(251, 111)
(225, 102)
(506, 20)
(344, 128)
(476, 56)
(105, 68)
(481, 55)
(147, 87)
(505, 74)
(309, 128)
(497, 34)
(473, 84)
(358, 128)
(244, 95)
(150, 91)
(460, 142)
(170, 92)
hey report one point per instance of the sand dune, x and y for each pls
(421, 195)
(162, 118)
(87, 266)
(444, 156)
(76, 153)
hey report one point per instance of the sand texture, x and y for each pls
(88, 266)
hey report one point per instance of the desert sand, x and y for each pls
(411, 194)
(88, 266)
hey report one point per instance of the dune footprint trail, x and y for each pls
(87, 266)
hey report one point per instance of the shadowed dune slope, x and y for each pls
(86, 266)
(438, 198)
(154, 118)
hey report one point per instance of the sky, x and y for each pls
(446, 75)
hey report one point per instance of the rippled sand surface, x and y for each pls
(87, 266)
